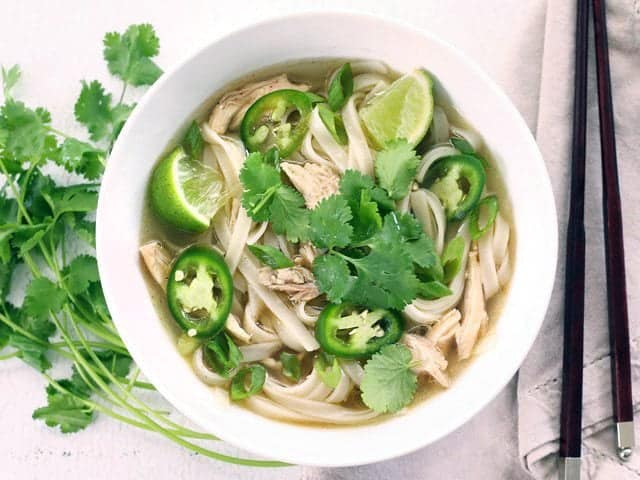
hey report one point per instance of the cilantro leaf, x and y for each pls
(354, 182)
(82, 271)
(82, 158)
(341, 87)
(193, 143)
(31, 352)
(452, 258)
(10, 78)
(75, 198)
(271, 256)
(93, 109)
(404, 228)
(333, 276)
(388, 384)
(128, 55)
(260, 182)
(329, 223)
(43, 296)
(65, 411)
(396, 167)
(288, 214)
(26, 131)
(386, 277)
(366, 218)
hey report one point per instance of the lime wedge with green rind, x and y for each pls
(186, 193)
(402, 110)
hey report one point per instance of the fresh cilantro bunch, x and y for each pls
(376, 257)
(63, 316)
(373, 256)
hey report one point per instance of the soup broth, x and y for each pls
(296, 342)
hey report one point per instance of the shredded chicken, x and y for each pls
(444, 330)
(298, 282)
(229, 111)
(306, 255)
(315, 182)
(428, 357)
(157, 259)
(474, 315)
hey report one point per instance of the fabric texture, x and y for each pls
(539, 386)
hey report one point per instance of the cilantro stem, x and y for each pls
(58, 132)
(98, 380)
(265, 198)
(122, 92)
(10, 355)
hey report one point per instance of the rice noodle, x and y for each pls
(257, 232)
(268, 408)
(359, 154)
(427, 312)
(320, 411)
(238, 240)
(367, 81)
(429, 211)
(335, 152)
(353, 369)
(286, 316)
(302, 310)
(251, 324)
(309, 152)
(232, 326)
(494, 256)
(371, 66)
(259, 351)
(229, 156)
(439, 130)
(342, 390)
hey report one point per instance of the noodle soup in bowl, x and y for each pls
(374, 205)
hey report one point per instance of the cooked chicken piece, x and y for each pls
(229, 111)
(297, 282)
(157, 259)
(428, 356)
(474, 315)
(315, 182)
(444, 330)
(306, 255)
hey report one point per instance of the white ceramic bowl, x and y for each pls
(171, 102)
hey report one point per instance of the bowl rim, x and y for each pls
(544, 290)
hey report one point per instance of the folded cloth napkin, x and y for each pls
(539, 386)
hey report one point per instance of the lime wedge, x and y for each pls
(185, 193)
(403, 110)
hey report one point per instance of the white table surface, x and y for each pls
(58, 43)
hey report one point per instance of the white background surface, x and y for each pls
(58, 43)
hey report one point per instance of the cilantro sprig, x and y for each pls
(388, 383)
(63, 317)
(267, 198)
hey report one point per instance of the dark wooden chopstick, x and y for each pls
(571, 406)
(614, 245)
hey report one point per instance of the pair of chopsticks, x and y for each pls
(571, 406)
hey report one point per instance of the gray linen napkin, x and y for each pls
(539, 386)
